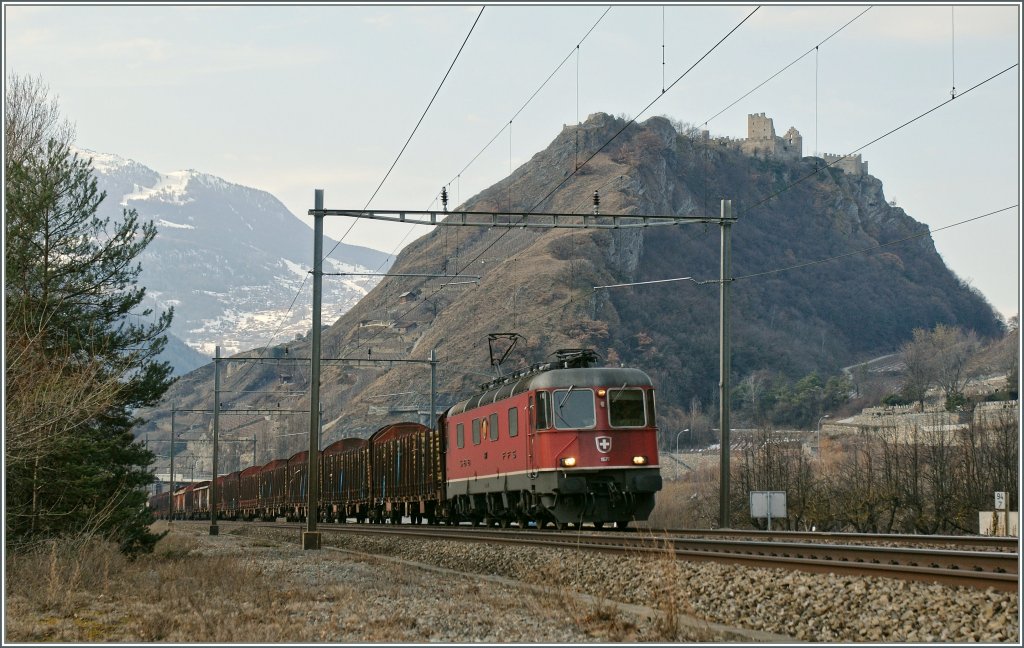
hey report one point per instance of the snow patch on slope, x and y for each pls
(172, 188)
(168, 224)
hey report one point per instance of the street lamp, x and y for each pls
(818, 443)
(677, 450)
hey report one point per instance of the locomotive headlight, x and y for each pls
(568, 462)
(601, 393)
(639, 460)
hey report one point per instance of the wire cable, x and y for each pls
(603, 146)
(645, 109)
(791, 64)
(339, 241)
(805, 264)
(879, 246)
(877, 139)
(536, 92)
(415, 128)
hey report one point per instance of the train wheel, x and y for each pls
(599, 525)
(560, 526)
(523, 522)
(621, 524)
(503, 523)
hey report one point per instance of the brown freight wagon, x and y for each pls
(227, 496)
(249, 492)
(158, 505)
(295, 491)
(344, 475)
(407, 472)
(197, 500)
(179, 503)
(273, 488)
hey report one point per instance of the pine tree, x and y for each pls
(80, 352)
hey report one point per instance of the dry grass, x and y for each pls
(195, 590)
(73, 591)
(673, 606)
(689, 502)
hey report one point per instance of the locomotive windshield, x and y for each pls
(626, 408)
(574, 408)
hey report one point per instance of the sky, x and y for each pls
(289, 98)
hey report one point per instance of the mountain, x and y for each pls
(540, 283)
(230, 259)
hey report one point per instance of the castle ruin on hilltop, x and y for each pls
(762, 142)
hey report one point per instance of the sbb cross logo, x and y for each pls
(604, 443)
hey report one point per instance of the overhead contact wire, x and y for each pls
(817, 261)
(875, 247)
(603, 146)
(536, 92)
(339, 241)
(877, 139)
(646, 108)
(415, 128)
(458, 176)
(791, 64)
(612, 138)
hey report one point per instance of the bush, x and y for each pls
(956, 402)
(896, 399)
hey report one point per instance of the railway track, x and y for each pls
(971, 568)
(996, 543)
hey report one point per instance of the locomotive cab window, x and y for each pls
(460, 435)
(573, 408)
(476, 431)
(626, 407)
(543, 407)
(493, 425)
(513, 422)
(650, 408)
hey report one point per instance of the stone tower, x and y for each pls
(794, 143)
(760, 127)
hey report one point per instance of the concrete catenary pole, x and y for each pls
(311, 537)
(725, 363)
(433, 389)
(170, 500)
(214, 530)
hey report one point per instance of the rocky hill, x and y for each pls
(539, 283)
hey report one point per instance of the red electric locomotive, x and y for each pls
(562, 442)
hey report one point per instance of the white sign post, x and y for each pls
(768, 504)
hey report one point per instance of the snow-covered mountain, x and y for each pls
(232, 260)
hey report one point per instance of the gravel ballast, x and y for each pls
(710, 596)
